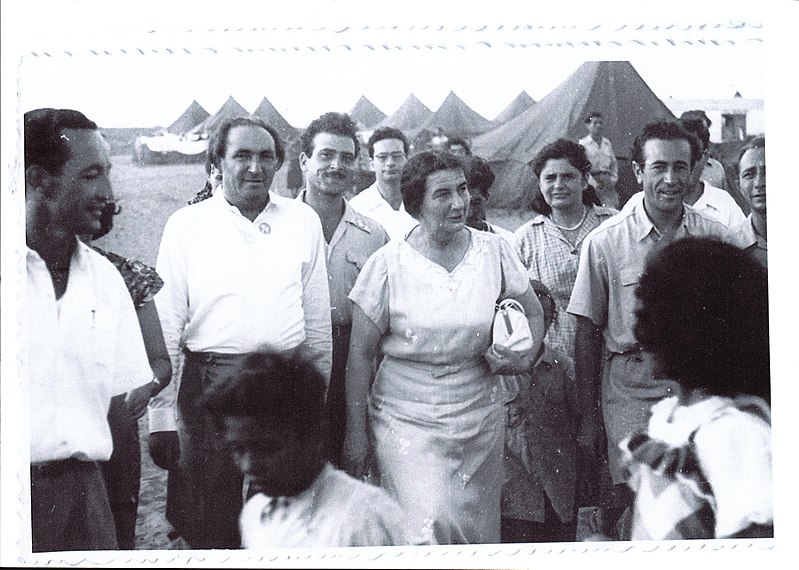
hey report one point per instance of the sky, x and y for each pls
(147, 77)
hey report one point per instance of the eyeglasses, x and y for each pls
(396, 156)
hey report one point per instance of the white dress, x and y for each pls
(436, 411)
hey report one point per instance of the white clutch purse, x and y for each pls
(510, 326)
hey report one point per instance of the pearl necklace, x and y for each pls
(580, 223)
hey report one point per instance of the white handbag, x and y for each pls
(510, 326)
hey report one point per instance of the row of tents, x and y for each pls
(509, 142)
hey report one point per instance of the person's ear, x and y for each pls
(37, 178)
(303, 159)
(639, 172)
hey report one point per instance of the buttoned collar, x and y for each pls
(350, 216)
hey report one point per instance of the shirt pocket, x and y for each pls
(630, 276)
(357, 259)
(102, 339)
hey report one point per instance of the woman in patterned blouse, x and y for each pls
(549, 245)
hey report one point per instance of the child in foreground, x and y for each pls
(272, 419)
(539, 494)
(703, 467)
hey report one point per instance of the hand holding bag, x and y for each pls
(510, 326)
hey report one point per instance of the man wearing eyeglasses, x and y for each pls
(329, 151)
(244, 271)
(382, 201)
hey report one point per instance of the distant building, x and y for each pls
(732, 119)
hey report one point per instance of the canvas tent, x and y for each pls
(456, 118)
(519, 105)
(186, 147)
(191, 117)
(613, 88)
(229, 110)
(272, 117)
(366, 114)
(409, 117)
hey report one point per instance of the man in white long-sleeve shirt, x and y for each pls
(82, 341)
(244, 271)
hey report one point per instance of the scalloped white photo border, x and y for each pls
(79, 32)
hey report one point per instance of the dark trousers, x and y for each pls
(122, 473)
(336, 404)
(551, 530)
(69, 507)
(211, 483)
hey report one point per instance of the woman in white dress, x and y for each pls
(429, 418)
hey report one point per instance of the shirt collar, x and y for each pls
(219, 201)
(644, 223)
(350, 215)
(79, 257)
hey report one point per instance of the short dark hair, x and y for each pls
(334, 123)
(386, 133)
(271, 385)
(217, 144)
(756, 142)
(703, 314)
(413, 183)
(596, 114)
(44, 146)
(697, 114)
(575, 154)
(479, 175)
(547, 300)
(459, 141)
(697, 127)
(664, 129)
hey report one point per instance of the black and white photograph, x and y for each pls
(346, 284)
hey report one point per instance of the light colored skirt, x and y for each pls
(438, 434)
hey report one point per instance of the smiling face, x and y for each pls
(445, 202)
(752, 179)
(248, 167)
(562, 185)
(388, 160)
(664, 175)
(77, 197)
(331, 167)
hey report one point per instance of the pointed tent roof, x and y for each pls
(613, 88)
(229, 110)
(520, 104)
(410, 115)
(192, 116)
(457, 118)
(366, 114)
(268, 113)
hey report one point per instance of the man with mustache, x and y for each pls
(83, 344)
(382, 201)
(329, 151)
(622, 386)
(244, 271)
